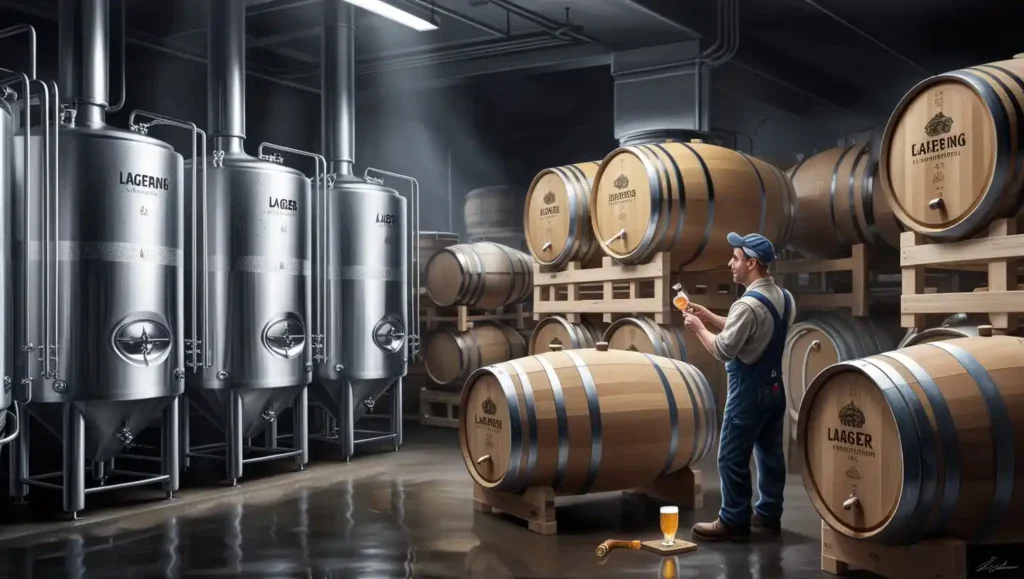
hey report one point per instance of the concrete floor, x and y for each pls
(405, 514)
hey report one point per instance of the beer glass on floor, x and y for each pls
(669, 525)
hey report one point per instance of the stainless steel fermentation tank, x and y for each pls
(248, 349)
(100, 280)
(363, 280)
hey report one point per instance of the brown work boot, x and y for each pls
(765, 526)
(717, 531)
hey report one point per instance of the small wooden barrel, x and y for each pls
(821, 339)
(955, 326)
(452, 356)
(557, 216)
(950, 157)
(556, 330)
(642, 334)
(683, 198)
(923, 441)
(430, 242)
(483, 275)
(570, 420)
(489, 209)
(839, 204)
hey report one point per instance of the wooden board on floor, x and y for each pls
(537, 505)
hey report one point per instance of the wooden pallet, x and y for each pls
(931, 559)
(439, 408)
(826, 269)
(996, 251)
(463, 317)
(537, 505)
(614, 290)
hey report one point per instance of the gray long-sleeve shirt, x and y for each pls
(749, 325)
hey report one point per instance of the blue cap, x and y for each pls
(755, 245)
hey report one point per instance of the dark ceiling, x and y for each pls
(810, 57)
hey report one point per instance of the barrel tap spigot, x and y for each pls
(853, 501)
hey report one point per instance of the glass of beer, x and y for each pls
(669, 525)
(681, 301)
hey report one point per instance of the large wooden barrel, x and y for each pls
(569, 420)
(430, 242)
(557, 216)
(483, 275)
(923, 441)
(642, 334)
(839, 204)
(450, 357)
(820, 339)
(951, 155)
(556, 330)
(683, 198)
(491, 210)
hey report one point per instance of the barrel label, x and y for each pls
(623, 195)
(850, 439)
(940, 144)
(551, 209)
(489, 409)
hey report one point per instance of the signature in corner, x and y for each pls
(992, 566)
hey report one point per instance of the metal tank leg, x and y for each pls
(346, 423)
(233, 438)
(270, 435)
(183, 409)
(19, 462)
(74, 460)
(99, 473)
(169, 453)
(396, 412)
(301, 436)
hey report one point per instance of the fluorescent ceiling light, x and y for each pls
(398, 15)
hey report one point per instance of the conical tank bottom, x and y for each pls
(329, 395)
(255, 403)
(107, 423)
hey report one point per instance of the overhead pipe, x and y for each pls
(337, 81)
(225, 75)
(454, 15)
(84, 31)
(558, 29)
(867, 36)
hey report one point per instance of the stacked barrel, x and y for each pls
(901, 445)
(645, 202)
(480, 277)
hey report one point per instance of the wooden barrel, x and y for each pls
(509, 238)
(556, 330)
(820, 339)
(838, 204)
(642, 334)
(923, 441)
(492, 209)
(955, 326)
(569, 420)
(951, 155)
(683, 198)
(452, 356)
(557, 216)
(483, 275)
(430, 242)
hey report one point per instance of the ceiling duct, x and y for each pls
(338, 78)
(225, 75)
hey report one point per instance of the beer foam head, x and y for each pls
(669, 510)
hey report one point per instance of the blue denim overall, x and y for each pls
(754, 411)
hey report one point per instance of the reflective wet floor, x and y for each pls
(405, 514)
